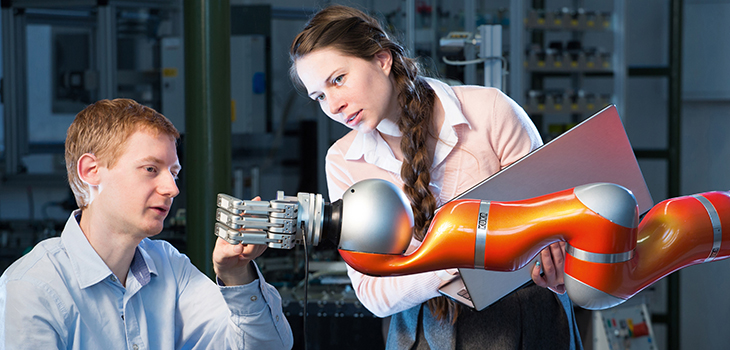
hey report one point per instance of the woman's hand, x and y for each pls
(552, 261)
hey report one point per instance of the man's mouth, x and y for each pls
(161, 210)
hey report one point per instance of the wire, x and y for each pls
(480, 60)
(462, 63)
(306, 284)
(475, 61)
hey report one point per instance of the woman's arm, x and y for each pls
(383, 296)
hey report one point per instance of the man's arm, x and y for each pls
(243, 287)
(247, 316)
(28, 319)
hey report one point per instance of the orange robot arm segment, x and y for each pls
(611, 257)
(449, 243)
(674, 234)
(502, 236)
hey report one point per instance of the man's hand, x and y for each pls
(552, 260)
(232, 262)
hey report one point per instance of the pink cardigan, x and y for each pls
(484, 131)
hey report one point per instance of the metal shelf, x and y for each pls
(575, 62)
(568, 20)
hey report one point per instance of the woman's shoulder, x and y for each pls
(477, 95)
(343, 143)
(478, 100)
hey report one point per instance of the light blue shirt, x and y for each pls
(62, 295)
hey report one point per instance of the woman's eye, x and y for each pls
(339, 80)
(319, 97)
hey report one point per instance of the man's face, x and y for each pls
(136, 193)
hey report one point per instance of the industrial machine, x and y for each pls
(489, 42)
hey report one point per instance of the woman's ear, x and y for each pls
(88, 169)
(385, 60)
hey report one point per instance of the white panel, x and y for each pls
(705, 147)
(44, 126)
(491, 50)
(705, 68)
(248, 81)
(2, 105)
(173, 81)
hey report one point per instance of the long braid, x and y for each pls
(415, 171)
(417, 100)
(354, 33)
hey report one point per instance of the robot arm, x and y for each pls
(611, 256)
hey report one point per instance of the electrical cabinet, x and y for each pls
(567, 60)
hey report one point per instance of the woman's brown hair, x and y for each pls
(356, 34)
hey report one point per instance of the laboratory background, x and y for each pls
(664, 64)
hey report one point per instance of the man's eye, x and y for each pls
(150, 169)
(319, 97)
(339, 80)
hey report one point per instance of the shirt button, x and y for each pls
(113, 278)
(135, 347)
(277, 318)
(254, 298)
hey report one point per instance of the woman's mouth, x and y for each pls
(353, 119)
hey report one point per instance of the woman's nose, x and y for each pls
(337, 104)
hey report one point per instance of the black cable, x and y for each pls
(306, 284)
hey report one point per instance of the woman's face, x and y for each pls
(350, 90)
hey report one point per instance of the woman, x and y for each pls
(436, 142)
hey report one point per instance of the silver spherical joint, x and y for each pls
(613, 202)
(376, 218)
(588, 297)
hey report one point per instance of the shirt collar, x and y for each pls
(451, 103)
(143, 267)
(375, 150)
(88, 266)
(453, 117)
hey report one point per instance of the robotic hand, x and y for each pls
(373, 216)
(280, 223)
(610, 255)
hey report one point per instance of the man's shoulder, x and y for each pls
(44, 269)
(158, 246)
(44, 256)
(162, 252)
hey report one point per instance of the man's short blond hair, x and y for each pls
(102, 129)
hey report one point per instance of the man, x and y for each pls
(104, 284)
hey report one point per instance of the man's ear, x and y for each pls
(88, 169)
(385, 60)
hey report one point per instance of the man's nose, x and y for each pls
(168, 187)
